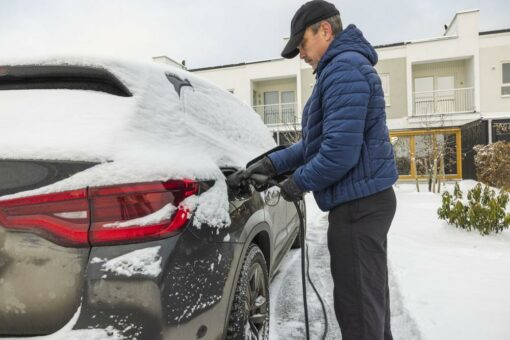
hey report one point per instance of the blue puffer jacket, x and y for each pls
(345, 152)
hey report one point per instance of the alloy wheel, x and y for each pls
(256, 305)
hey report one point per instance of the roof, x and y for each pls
(234, 65)
(505, 30)
(402, 43)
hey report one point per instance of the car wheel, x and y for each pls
(297, 240)
(249, 318)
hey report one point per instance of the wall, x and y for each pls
(241, 78)
(456, 68)
(307, 84)
(491, 58)
(396, 68)
(279, 85)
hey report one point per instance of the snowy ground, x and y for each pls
(445, 283)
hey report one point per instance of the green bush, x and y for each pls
(484, 211)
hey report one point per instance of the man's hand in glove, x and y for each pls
(263, 166)
(238, 184)
(236, 180)
(290, 191)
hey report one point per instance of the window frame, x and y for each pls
(414, 133)
(504, 84)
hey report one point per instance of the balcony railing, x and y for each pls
(277, 113)
(444, 101)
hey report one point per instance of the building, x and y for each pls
(443, 95)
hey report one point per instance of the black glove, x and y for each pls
(263, 166)
(238, 184)
(236, 179)
(290, 191)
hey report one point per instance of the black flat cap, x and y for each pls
(310, 13)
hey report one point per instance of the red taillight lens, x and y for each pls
(129, 213)
(115, 214)
(62, 217)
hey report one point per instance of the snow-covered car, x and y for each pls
(115, 217)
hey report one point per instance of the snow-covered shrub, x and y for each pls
(493, 164)
(484, 210)
(452, 210)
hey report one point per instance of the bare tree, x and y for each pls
(433, 150)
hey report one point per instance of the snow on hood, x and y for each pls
(153, 135)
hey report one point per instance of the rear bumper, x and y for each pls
(188, 299)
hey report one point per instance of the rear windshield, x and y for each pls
(36, 77)
(22, 175)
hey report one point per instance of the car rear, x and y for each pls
(105, 250)
(99, 188)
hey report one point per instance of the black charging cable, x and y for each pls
(264, 181)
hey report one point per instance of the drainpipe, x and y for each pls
(489, 127)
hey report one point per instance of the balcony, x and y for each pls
(277, 114)
(444, 101)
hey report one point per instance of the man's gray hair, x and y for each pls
(334, 21)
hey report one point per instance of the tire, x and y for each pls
(297, 241)
(249, 316)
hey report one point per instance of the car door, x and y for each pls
(276, 215)
(292, 217)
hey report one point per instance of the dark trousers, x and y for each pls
(357, 246)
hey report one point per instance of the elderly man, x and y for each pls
(346, 159)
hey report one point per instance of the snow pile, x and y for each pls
(453, 282)
(153, 135)
(212, 206)
(146, 262)
(445, 283)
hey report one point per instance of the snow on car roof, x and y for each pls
(156, 134)
(96, 126)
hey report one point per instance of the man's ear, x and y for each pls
(326, 30)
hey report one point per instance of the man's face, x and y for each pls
(314, 45)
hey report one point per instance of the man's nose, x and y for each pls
(302, 54)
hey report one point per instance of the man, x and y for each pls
(346, 159)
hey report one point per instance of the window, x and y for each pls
(505, 88)
(402, 150)
(424, 95)
(445, 94)
(385, 83)
(288, 102)
(418, 152)
(279, 107)
(271, 107)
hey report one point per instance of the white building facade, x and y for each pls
(452, 91)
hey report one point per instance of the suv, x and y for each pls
(115, 217)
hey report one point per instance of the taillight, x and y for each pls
(129, 213)
(102, 215)
(62, 217)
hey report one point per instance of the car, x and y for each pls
(116, 221)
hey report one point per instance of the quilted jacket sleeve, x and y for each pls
(288, 159)
(345, 98)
